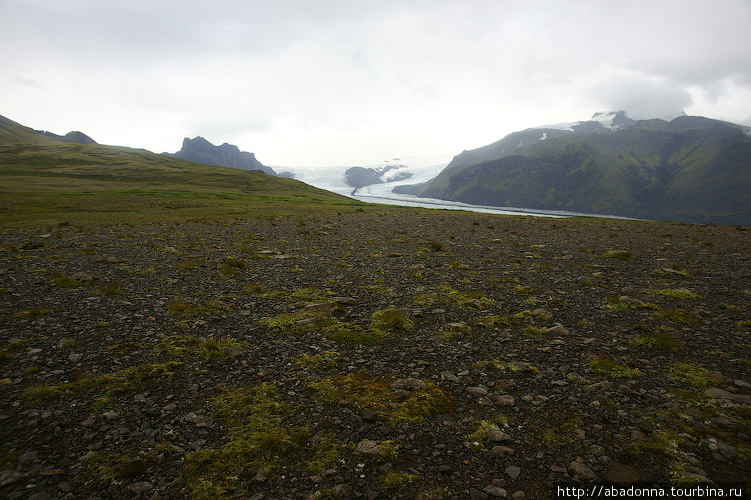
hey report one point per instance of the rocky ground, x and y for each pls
(418, 355)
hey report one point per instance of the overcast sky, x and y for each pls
(351, 82)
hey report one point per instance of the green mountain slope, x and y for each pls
(43, 180)
(691, 169)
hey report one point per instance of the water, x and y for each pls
(333, 179)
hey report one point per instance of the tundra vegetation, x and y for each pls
(209, 337)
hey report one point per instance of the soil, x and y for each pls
(563, 350)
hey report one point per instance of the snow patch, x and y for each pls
(605, 118)
(544, 136)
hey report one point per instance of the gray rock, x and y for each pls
(580, 471)
(496, 435)
(513, 472)
(505, 400)
(495, 491)
(717, 393)
(477, 391)
(558, 329)
(141, 487)
(192, 418)
(368, 447)
(503, 451)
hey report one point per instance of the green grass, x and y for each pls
(46, 181)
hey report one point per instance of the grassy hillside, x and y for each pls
(689, 170)
(43, 181)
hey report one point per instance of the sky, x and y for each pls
(353, 82)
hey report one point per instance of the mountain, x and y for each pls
(74, 137)
(691, 169)
(199, 150)
(45, 181)
(358, 177)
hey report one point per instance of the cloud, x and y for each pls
(642, 97)
(341, 82)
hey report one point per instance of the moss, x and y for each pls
(392, 319)
(64, 281)
(255, 288)
(101, 467)
(615, 303)
(231, 266)
(553, 437)
(34, 312)
(618, 254)
(524, 290)
(259, 445)
(127, 380)
(329, 454)
(321, 360)
(495, 320)
(661, 341)
(394, 480)
(604, 364)
(679, 316)
(354, 334)
(676, 293)
(534, 331)
(695, 376)
(213, 349)
(449, 296)
(109, 289)
(479, 435)
(366, 391)
(187, 310)
(494, 363)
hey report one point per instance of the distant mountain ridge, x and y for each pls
(691, 169)
(199, 150)
(74, 137)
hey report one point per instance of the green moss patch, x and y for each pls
(604, 364)
(260, 444)
(422, 399)
(127, 380)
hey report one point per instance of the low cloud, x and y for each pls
(642, 97)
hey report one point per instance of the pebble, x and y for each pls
(513, 472)
(495, 491)
(368, 447)
(580, 470)
(477, 391)
(192, 418)
(503, 451)
(558, 329)
(496, 435)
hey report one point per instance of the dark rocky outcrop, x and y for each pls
(199, 150)
(358, 177)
